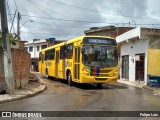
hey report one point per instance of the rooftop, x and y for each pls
(140, 32)
(96, 29)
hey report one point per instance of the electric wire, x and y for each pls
(86, 9)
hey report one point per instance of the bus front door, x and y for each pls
(77, 63)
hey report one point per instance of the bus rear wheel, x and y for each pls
(99, 85)
(69, 78)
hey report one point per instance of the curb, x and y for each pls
(148, 88)
(30, 93)
(130, 83)
(137, 85)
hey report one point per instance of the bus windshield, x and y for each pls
(99, 56)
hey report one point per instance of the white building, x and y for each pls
(139, 53)
(33, 47)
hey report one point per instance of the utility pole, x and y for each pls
(8, 69)
(18, 26)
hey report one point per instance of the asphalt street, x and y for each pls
(86, 97)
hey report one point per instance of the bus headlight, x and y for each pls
(115, 73)
(86, 73)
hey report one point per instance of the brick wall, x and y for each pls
(108, 32)
(21, 66)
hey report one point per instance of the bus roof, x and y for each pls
(54, 46)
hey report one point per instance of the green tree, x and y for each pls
(12, 39)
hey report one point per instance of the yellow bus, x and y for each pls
(86, 59)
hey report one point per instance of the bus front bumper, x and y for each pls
(95, 79)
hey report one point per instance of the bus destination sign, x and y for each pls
(106, 41)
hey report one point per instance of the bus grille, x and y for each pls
(100, 72)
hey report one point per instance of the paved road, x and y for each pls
(113, 97)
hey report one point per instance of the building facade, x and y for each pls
(35, 46)
(140, 54)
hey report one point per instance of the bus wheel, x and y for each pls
(46, 75)
(69, 78)
(99, 85)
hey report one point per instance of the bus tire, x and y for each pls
(46, 75)
(69, 79)
(99, 85)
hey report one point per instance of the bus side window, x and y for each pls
(47, 55)
(52, 52)
(63, 52)
(69, 51)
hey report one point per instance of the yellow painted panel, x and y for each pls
(154, 62)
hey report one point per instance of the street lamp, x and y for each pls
(18, 31)
(26, 22)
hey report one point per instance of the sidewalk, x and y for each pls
(155, 89)
(31, 89)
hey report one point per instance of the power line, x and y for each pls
(65, 19)
(90, 27)
(61, 19)
(8, 10)
(35, 5)
(62, 25)
(11, 19)
(69, 20)
(15, 4)
(40, 17)
(48, 9)
(62, 3)
(41, 10)
(13, 23)
(85, 21)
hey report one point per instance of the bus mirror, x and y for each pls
(83, 50)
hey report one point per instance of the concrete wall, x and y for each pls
(131, 48)
(154, 56)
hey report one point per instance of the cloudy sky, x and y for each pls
(66, 19)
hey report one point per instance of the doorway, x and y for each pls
(140, 64)
(125, 67)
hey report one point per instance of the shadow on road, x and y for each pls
(86, 86)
